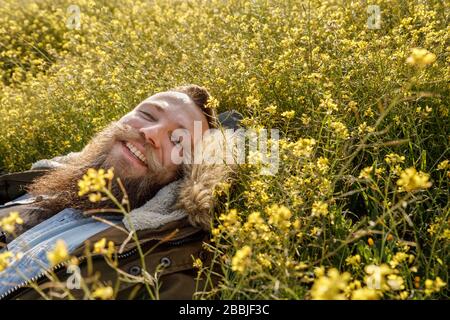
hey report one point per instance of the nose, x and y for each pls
(152, 135)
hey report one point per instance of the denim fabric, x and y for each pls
(69, 225)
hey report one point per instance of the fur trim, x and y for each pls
(209, 169)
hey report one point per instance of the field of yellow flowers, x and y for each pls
(359, 90)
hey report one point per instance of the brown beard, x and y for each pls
(61, 184)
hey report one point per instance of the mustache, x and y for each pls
(126, 133)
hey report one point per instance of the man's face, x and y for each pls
(154, 120)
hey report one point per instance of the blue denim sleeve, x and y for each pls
(69, 225)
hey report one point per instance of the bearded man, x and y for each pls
(170, 205)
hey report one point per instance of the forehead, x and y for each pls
(172, 99)
(178, 107)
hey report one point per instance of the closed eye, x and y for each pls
(148, 115)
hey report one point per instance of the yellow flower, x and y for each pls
(411, 180)
(353, 260)
(252, 101)
(288, 114)
(109, 174)
(241, 259)
(328, 104)
(365, 173)
(365, 294)
(279, 216)
(403, 295)
(421, 57)
(444, 165)
(322, 164)
(256, 228)
(319, 208)
(305, 119)
(111, 249)
(100, 247)
(303, 147)
(264, 260)
(8, 223)
(59, 253)
(393, 159)
(230, 219)
(369, 112)
(93, 181)
(271, 109)
(213, 103)
(198, 264)
(95, 197)
(363, 128)
(340, 130)
(434, 286)
(103, 293)
(398, 258)
(331, 286)
(5, 259)
(319, 271)
(316, 231)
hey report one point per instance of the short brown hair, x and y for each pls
(200, 96)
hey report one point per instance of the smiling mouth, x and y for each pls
(135, 153)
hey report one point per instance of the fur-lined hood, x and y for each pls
(191, 196)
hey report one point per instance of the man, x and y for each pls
(170, 202)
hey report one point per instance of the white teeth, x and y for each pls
(136, 152)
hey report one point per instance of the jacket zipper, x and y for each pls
(57, 268)
(81, 259)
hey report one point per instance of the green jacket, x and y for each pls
(174, 247)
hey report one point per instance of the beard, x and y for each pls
(61, 184)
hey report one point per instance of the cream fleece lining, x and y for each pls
(153, 214)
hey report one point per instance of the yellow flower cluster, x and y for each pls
(340, 129)
(103, 293)
(8, 223)
(303, 147)
(59, 253)
(5, 259)
(279, 216)
(256, 228)
(241, 259)
(353, 260)
(393, 159)
(421, 57)
(435, 285)
(101, 247)
(94, 181)
(445, 166)
(411, 180)
(330, 286)
(319, 208)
